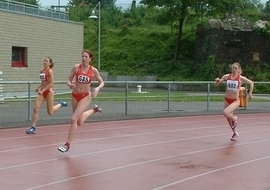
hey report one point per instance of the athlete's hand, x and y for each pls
(216, 81)
(96, 91)
(37, 89)
(40, 92)
(71, 86)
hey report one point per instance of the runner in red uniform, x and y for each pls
(81, 96)
(234, 82)
(45, 92)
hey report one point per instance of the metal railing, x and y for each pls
(124, 99)
(15, 6)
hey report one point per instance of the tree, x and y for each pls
(185, 8)
(80, 10)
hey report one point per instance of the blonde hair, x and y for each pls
(239, 67)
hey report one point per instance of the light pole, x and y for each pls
(93, 16)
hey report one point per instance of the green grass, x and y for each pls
(149, 96)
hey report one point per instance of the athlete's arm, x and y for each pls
(251, 85)
(220, 80)
(38, 88)
(71, 76)
(99, 79)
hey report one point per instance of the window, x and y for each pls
(18, 57)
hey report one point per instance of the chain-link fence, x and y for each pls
(124, 100)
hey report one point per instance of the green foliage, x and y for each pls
(79, 13)
(262, 31)
(208, 70)
(259, 73)
(142, 41)
(134, 49)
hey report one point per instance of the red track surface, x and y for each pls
(180, 153)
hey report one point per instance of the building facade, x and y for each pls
(26, 39)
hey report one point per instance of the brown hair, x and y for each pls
(91, 55)
(52, 64)
(239, 66)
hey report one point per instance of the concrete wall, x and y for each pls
(61, 40)
(229, 46)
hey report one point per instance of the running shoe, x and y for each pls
(234, 122)
(62, 103)
(63, 148)
(96, 109)
(31, 130)
(234, 136)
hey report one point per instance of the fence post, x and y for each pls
(126, 99)
(208, 96)
(2, 98)
(29, 101)
(169, 97)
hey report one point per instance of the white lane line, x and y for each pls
(138, 146)
(128, 126)
(213, 171)
(160, 159)
(181, 118)
(138, 134)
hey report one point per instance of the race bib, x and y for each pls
(42, 76)
(83, 79)
(232, 85)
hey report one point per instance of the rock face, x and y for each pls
(232, 39)
(215, 23)
(261, 24)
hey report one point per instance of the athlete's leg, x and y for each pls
(88, 113)
(85, 115)
(50, 107)
(226, 104)
(72, 129)
(228, 113)
(39, 101)
(78, 109)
